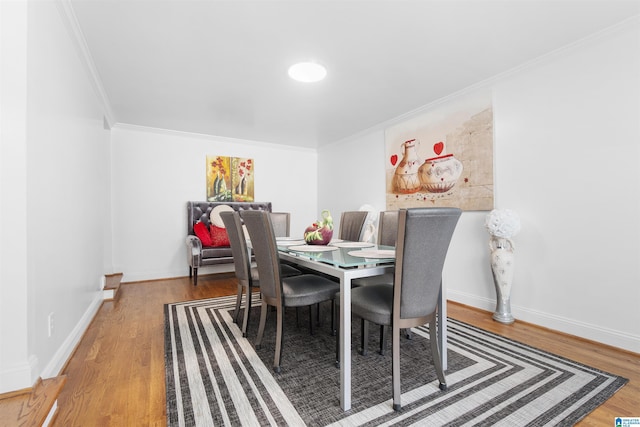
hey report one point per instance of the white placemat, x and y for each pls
(313, 248)
(287, 238)
(353, 244)
(374, 253)
(290, 242)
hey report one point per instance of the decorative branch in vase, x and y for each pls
(502, 225)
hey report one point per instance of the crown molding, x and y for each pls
(632, 23)
(69, 18)
(208, 137)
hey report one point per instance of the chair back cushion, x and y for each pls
(239, 248)
(265, 250)
(351, 223)
(424, 235)
(281, 223)
(388, 228)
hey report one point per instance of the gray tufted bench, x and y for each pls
(199, 255)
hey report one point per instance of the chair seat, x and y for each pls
(308, 289)
(375, 303)
(382, 279)
(285, 270)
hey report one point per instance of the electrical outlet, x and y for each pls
(51, 324)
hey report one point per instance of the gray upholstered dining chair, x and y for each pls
(276, 290)
(424, 235)
(387, 235)
(351, 223)
(282, 228)
(247, 276)
(281, 223)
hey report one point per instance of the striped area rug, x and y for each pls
(214, 376)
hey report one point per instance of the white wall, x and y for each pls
(15, 364)
(67, 188)
(566, 147)
(62, 181)
(156, 172)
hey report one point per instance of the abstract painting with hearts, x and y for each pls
(443, 157)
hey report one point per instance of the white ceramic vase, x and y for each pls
(440, 174)
(502, 266)
(405, 178)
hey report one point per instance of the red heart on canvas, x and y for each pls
(394, 159)
(438, 147)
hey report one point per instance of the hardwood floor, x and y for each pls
(116, 375)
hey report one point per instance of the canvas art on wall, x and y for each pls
(443, 157)
(229, 179)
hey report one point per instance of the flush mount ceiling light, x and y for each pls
(307, 72)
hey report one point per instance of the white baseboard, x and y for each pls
(472, 300)
(584, 330)
(19, 376)
(59, 359)
(51, 414)
(159, 275)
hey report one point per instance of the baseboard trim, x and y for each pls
(611, 337)
(51, 415)
(164, 275)
(19, 376)
(62, 356)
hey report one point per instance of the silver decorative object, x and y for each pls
(502, 225)
(502, 266)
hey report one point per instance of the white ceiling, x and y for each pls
(220, 67)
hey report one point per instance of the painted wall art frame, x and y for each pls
(443, 158)
(230, 179)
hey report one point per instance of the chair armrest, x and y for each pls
(194, 251)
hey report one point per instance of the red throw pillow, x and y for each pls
(219, 236)
(203, 234)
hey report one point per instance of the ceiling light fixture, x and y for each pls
(307, 72)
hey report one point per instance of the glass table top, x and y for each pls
(341, 254)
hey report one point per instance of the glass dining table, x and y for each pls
(346, 261)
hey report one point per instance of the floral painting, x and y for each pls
(242, 179)
(218, 179)
(443, 157)
(229, 179)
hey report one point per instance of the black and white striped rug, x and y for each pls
(214, 376)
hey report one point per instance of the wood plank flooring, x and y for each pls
(116, 375)
(31, 407)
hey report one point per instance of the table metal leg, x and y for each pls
(345, 344)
